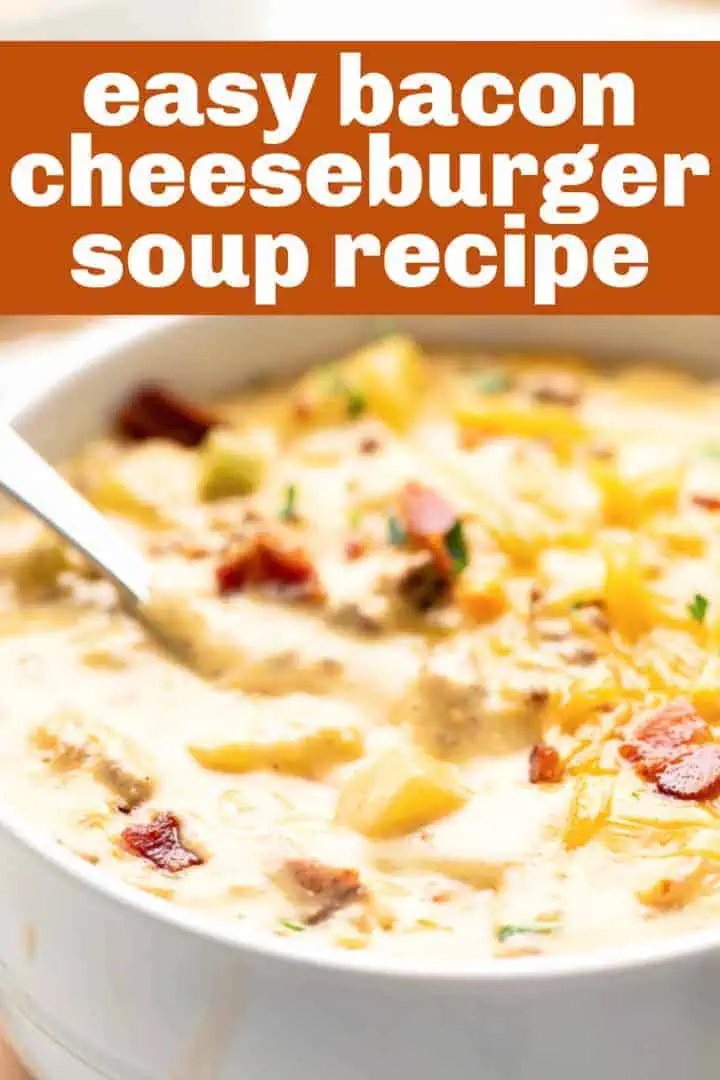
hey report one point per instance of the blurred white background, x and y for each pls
(371, 19)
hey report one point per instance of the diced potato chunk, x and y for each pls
(399, 792)
(299, 735)
(391, 375)
(303, 755)
(589, 808)
(37, 571)
(151, 483)
(233, 462)
(386, 378)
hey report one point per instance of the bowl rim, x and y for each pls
(93, 348)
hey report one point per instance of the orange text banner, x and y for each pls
(351, 178)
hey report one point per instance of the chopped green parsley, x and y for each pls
(699, 607)
(356, 403)
(288, 510)
(511, 930)
(493, 382)
(395, 533)
(456, 547)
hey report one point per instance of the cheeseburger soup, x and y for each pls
(451, 640)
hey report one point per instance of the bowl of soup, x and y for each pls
(431, 778)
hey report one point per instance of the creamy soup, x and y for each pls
(449, 633)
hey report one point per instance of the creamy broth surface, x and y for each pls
(451, 630)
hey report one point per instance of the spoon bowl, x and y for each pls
(29, 480)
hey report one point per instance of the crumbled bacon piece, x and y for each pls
(427, 518)
(665, 736)
(264, 561)
(560, 389)
(537, 696)
(160, 842)
(369, 444)
(424, 513)
(545, 764)
(333, 888)
(355, 548)
(706, 502)
(695, 774)
(154, 412)
(424, 584)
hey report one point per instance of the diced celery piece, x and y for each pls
(233, 462)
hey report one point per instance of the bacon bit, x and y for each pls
(154, 412)
(264, 561)
(161, 844)
(355, 548)
(560, 389)
(664, 737)
(693, 775)
(369, 445)
(706, 502)
(538, 696)
(545, 764)
(424, 513)
(334, 888)
(424, 585)
(427, 518)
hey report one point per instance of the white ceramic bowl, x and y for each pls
(99, 982)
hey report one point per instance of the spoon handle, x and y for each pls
(29, 480)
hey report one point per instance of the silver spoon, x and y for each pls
(29, 480)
